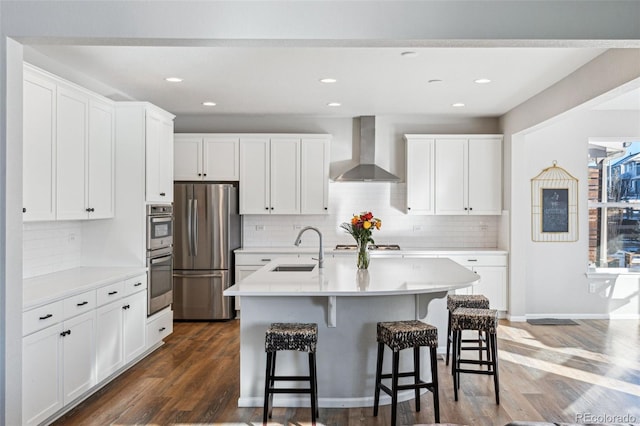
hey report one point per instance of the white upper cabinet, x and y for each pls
(420, 175)
(284, 174)
(314, 179)
(159, 155)
(206, 157)
(255, 170)
(39, 146)
(485, 176)
(68, 150)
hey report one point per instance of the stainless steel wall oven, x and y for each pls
(159, 257)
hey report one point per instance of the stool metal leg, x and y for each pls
(267, 384)
(416, 374)
(376, 398)
(434, 380)
(313, 387)
(449, 342)
(494, 364)
(394, 386)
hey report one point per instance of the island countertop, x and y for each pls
(340, 277)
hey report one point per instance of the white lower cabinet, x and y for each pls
(493, 277)
(58, 366)
(71, 345)
(159, 326)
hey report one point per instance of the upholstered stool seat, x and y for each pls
(301, 337)
(482, 320)
(399, 335)
(455, 301)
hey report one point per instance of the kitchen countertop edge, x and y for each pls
(43, 289)
(408, 250)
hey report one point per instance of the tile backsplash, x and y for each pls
(50, 247)
(387, 202)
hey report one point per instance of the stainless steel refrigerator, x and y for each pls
(207, 230)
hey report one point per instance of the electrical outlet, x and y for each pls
(297, 227)
(592, 287)
(417, 228)
(72, 237)
(259, 227)
(484, 227)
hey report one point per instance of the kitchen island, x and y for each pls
(346, 304)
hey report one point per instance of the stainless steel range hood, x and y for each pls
(367, 171)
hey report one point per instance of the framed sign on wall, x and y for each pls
(554, 206)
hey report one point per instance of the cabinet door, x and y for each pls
(285, 176)
(135, 325)
(101, 160)
(314, 181)
(420, 179)
(221, 158)
(159, 158)
(109, 339)
(187, 157)
(451, 176)
(79, 351)
(493, 284)
(71, 154)
(254, 176)
(485, 176)
(39, 148)
(41, 375)
(242, 272)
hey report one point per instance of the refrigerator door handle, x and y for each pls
(190, 225)
(195, 227)
(218, 275)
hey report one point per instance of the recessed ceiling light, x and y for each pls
(482, 81)
(434, 80)
(328, 80)
(173, 79)
(334, 104)
(458, 105)
(209, 103)
(409, 54)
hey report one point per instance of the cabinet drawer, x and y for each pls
(258, 259)
(42, 317)
(134, 285)
(110, 293)
(79, 304)
(159, 327)
(479, 260)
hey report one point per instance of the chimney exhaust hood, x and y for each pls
(367, 171)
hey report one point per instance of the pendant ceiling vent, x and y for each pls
(367, 171)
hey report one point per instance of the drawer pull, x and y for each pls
(472, 260)
(65, 333)
(265, 260)
(82, 303)
(137, 284)
(162, 329)
(111, 293)
(46, 316)
(126, 306)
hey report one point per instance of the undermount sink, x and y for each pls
(293, 268)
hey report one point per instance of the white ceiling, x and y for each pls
(285, 80)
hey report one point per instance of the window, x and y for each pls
(614, 204)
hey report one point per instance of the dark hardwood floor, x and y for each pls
(559, 373)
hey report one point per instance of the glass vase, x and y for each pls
(363, 255)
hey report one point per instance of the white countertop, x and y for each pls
(340, 277)
(49, 288)
(403, 250)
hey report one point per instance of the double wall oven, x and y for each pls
(159, 257)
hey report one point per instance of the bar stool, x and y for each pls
(455, 301)
(290, 337)
(399, 335)
(483, 320)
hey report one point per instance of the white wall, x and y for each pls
(555, 283)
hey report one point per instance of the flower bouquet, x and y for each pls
(360, 228)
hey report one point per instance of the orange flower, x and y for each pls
(355, 220)
(378, 224)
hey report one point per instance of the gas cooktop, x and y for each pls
(371, 247)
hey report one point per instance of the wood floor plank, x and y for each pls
(550, 373)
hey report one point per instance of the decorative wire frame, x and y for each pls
(543, 214)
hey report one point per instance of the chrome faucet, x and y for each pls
(321, 252)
